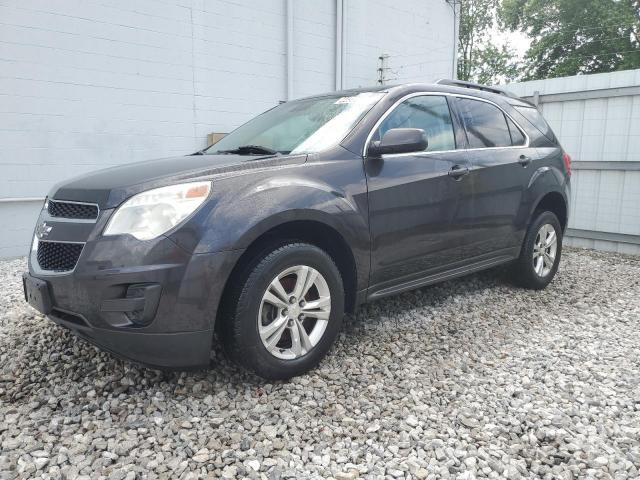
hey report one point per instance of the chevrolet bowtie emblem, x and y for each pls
(43, 230)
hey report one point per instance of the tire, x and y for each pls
(523, 271)
(256, 306)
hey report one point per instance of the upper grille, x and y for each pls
(58, 256)
(82, 211)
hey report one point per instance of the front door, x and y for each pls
(419, 203)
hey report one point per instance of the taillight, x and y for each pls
(566, 158)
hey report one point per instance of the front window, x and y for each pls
(429, 113)
(300, 126)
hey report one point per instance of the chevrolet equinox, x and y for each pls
(305, 212)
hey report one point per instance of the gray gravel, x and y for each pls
(468, 379)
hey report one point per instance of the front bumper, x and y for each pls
(150, 302)
(181, 350)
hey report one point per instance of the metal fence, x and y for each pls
(597, 118)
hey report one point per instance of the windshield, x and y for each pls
(300, 126)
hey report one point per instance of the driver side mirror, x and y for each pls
(399, 140)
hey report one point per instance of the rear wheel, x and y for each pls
(285, 312)
(540, 254)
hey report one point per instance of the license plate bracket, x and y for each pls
(36, 293)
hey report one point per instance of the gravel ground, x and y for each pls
(468, 379)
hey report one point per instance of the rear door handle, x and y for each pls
(458, 171)
(524, 160)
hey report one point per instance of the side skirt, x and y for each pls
(374, 294)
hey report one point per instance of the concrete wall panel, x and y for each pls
(87, 84)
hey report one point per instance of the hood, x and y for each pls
(111, 186)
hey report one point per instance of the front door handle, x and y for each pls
(524, 160)
(458, 171)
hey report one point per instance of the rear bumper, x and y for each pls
(153, 304)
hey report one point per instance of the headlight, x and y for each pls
(149, 214)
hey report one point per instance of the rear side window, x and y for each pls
(517, 137)
(428, 112)
(485, 124)
(536, 118)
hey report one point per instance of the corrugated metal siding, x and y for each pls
(605, 200)
(85, 84)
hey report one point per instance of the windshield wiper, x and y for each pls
(251, 150)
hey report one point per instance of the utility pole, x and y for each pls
(383, 69)
(456, 6)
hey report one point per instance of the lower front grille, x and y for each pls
(58, 256)
(68, 317)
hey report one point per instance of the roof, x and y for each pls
(445, 86)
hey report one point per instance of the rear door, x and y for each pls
(502, 166)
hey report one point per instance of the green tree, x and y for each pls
(495, 65)
(479, 60)
(570, 37)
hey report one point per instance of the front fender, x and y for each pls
(330, 190)
(239, 217)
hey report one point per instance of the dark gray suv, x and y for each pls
(269, 236)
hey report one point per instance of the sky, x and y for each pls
(518, 41)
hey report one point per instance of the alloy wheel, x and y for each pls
(544, 250)
(294, 312)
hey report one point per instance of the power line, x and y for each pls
(619, 18)
(385, 60)
(591, 41)
(586, 28)
(430, 52)
(423, 53)
(606, 54)
(572, 55)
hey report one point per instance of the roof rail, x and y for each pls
(475, 86)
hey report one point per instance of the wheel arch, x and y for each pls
(554, 202)
(312, 231)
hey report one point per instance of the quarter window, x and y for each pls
(428, 112)
(485, 124)
(517, 137)
(536, 119)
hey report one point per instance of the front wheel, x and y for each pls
(540, 254)
(285, 312)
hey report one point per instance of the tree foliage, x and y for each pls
(570, 37)
(479, 60)
(495, 65)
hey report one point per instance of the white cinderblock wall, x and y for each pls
(87, 84)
